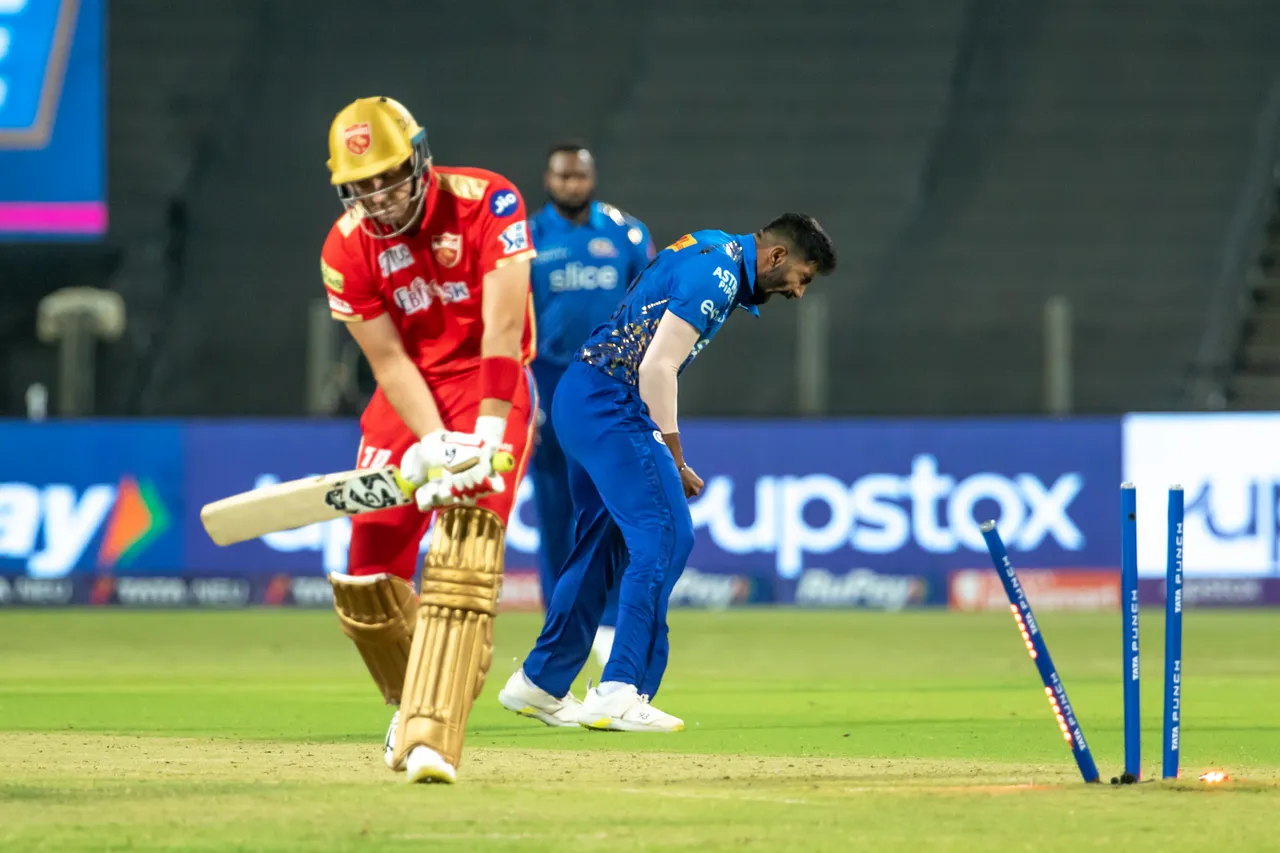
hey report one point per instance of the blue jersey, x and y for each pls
(701, 278)
(580, 273)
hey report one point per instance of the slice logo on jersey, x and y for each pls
(683, 243)
(341, 306)
(357, 138)
(576, 276)
(447, 249)
(503, 203)
(332, 278)
(396, 258)
(420, 293)
(515, 238)
(602, 247)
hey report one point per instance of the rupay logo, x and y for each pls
(51, 526)
(883, 513)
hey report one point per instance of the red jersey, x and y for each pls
(430, 281)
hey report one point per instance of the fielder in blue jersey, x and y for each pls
(588, 252)
(615, 411)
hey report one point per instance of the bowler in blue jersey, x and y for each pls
(615, 411)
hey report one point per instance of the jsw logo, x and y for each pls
(577, 276)
(883, 513)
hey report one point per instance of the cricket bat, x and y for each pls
(298, 503)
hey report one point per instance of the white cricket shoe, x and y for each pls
(625, 710)
(603, 645)
(389, 746)
(529, 700)
(424, 764)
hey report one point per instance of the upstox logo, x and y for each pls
(884, 513)
(50, 527)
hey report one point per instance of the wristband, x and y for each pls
(498, 378)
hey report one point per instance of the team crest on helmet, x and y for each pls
(357, 138)
(447, 248)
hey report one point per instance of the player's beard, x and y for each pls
(571, 209)
(767, 283)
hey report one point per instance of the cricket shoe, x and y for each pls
(424, 764)
(389, 746)
(529, 700)
(625, 710)
(602, 647)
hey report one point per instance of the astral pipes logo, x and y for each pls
(886, 513)
(50, 527)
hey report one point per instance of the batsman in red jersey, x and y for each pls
(429, 269)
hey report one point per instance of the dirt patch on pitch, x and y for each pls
(120, 757)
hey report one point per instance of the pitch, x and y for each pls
(259, 730)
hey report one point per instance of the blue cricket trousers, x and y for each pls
(628, 503)
(550, 475)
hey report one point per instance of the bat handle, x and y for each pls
(502, 462)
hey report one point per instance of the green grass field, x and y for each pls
(257, 730)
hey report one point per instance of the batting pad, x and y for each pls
(453, 642)
(378, 613)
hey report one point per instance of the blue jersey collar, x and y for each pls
(550, 216)
(748, 243)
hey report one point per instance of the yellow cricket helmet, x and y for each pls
(371, 136)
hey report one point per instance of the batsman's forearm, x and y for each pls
(495, 407)
(409, 394)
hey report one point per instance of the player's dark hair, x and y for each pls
(803, 233)
(567, 146)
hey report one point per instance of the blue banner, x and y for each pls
(821, 513)
(903, 497)
(52, 119)
(91, 497)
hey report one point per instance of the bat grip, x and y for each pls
(502, 462)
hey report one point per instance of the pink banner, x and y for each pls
(71, 217)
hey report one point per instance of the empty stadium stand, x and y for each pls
(970, 159)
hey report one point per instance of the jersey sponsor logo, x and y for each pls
(683, 243)
(576, 276)
(552, 255)
(515, 238)
(447, 248)
(504, 203)
(728, 281)
(712, 312)
(420, 293)
(332, 278)
(357, 138)
(635, 235)
(602, 247)
(396, 258)
(341, 306)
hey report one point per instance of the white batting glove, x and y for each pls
(445, 490)
(467, 460)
